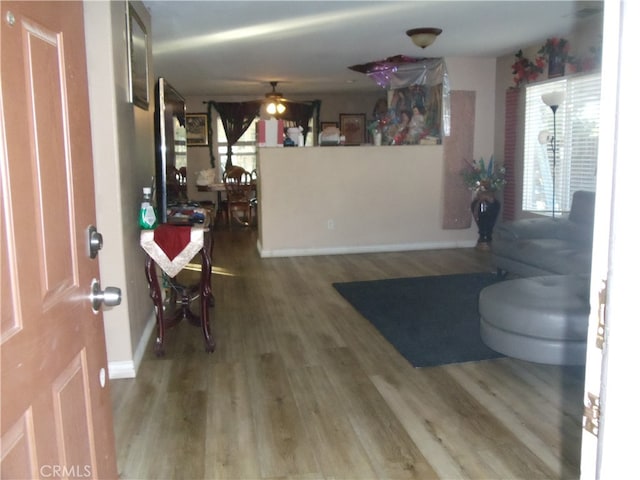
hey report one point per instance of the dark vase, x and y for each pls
(556, 66)
(485, 209)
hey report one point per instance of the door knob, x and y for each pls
(110, 296)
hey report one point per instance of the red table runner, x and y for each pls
(171, 246)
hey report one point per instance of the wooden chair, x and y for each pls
(176, 185)
(238, 186)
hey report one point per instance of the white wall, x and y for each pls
(123, 155)
(325, 200)
(479, 75)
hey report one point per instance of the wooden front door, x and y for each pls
(56, 409)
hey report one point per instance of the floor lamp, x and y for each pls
(553, 101)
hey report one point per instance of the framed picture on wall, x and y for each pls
(137, 43)
(197, 130)
(324, 125)
(352, 126)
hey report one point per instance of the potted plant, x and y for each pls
(484, 180)
(556, 51)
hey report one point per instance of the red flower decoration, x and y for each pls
(524, 70)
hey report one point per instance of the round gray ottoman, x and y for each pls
(539, 319)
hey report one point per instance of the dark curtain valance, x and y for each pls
(301, 113)
(236, 117)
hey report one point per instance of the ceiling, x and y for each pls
(227, 48)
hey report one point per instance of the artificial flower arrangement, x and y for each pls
(482, 177)
(378, 128)
(555, 47)
(587, 63)
(378, 125)
(555, 53)
(524, 70)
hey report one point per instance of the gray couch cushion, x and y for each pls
(551, 255)
(527, 228)
(536, 246)
(541, 319)
(582, 208)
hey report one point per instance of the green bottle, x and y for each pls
(147, 218)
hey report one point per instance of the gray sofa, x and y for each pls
(547, 246)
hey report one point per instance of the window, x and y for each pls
(244, 151)
(577, 130)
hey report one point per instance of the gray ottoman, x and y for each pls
(539, 319)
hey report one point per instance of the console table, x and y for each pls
(172, 247)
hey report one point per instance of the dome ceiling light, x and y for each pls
(423, 37)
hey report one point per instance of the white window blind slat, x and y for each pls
(244, 150)
(577, 129)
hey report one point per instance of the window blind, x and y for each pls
(577, 130)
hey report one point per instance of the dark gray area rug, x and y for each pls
(430, 320)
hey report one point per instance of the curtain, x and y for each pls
(300, 113)
(511, 115)
(236, 117)
(212, 157)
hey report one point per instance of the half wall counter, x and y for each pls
(355, 199)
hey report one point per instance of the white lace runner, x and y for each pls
(172, 267)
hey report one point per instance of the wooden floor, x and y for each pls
(302, 387)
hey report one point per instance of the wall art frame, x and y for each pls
(137, 51)
(197, 126)
(353, 127)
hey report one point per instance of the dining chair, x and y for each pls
(254, 193)
(176, 185)
(238, 186)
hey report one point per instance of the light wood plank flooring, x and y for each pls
(302, 387)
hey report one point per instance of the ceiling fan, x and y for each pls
(275, 101)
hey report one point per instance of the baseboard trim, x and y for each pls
(123, 369)
(345, 250)
(129, 368)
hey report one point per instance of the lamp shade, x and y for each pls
(423, 37)
(275, 107)
(553, 99)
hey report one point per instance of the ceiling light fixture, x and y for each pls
(274, 105)
(423, 37)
